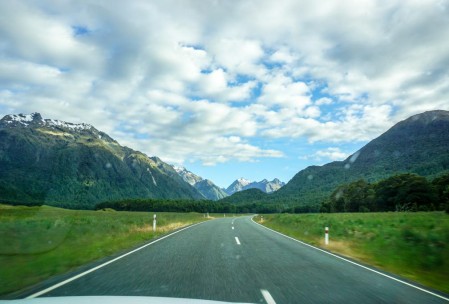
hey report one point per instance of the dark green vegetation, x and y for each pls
(403, 192)
(414, 245)
(419, 144)
(77, 166)
(39, 242)
(241, 197)
(202, 206)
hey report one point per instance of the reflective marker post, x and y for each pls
(326, 235)
(154, 223)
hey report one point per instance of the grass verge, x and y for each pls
(39, 242)
(412, 245)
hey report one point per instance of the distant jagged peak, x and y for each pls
(186, 175)
(179, 169)
(244, 181)
(264, 185)
(205, 186)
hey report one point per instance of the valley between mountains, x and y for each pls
(46, 162)
(57, 163)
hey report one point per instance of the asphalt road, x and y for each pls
(247, 263)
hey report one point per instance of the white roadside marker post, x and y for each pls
(261, 218)
(154, 223)
(326, 235)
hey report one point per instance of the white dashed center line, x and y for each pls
(232, 228)
(267, 296)
(237, 240)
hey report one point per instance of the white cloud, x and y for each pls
(323, 101)
(312, 111)
(283, 56)
(187, 74)
(357, 123)
(331, 153)
(282, 91)
(239, 56)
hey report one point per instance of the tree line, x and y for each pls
(183, 205)
(402, 192)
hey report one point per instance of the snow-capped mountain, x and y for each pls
(264, 185)
(206, 187)
(36, 119)
(237, 185)
(188, 176)
(47, 161)
(267, 186)
(68, 129)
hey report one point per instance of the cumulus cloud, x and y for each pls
(331, 153)
(283, 91)
(208, 81)
(323, 101)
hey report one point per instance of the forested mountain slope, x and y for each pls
(419, 144)
(75, 165)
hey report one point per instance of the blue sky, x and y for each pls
(229, 89)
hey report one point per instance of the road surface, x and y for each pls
(238, 260)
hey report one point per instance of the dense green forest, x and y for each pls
(402, 192)
(180, 205)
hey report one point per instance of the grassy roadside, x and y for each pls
(413, 245)
(39, 242)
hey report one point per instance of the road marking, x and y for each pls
(233, 228)
(267, 296)
(354, 263)
(237, 240)
(39, 293)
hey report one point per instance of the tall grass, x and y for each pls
(39, 242)
(413, 245)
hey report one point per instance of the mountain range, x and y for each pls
(75, 165)
(204, 186)
(264, 185)
(211, 191)
(419, 144)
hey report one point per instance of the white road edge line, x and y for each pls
(354, 263)
(267, 296)
(39, 293)
(237, 240)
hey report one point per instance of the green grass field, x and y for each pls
(39, 242)
(413, 245)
